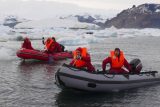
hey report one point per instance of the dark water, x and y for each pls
(32, 83)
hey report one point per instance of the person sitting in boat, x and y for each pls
(81, 59)
(52, 46)
(117, 61)
(60, 45)
(27, 44)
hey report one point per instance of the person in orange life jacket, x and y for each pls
(52, 46)
(116, 61)
(27, 44)
(82, 59)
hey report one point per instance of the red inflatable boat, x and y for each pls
(39, 55)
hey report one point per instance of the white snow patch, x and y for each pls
(57, 23)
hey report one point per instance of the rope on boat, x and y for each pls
(74, 69)
(109, 77)
(140, 74)
(148, 74)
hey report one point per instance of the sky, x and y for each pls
(107, 4)
(40, 9)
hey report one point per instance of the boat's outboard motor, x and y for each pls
(136, 65)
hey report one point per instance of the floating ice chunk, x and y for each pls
(158, 10)
(71, 41)
(6, 53)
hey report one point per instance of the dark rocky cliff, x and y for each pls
(143, 16)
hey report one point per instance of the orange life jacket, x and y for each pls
(80, 63)
(117, 62)
(48, 43)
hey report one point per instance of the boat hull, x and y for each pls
(39, 55)
(70, 77)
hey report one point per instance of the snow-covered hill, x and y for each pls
(12, 20)
(94, 19)
(68, 22)
(145, 8)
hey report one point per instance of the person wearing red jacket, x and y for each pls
(55, 48)
(52, 46)
(82, 59)
(117, 61)
(27, 44)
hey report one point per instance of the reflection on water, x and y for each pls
(37, 83)
(129, 98)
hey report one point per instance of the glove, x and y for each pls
(43, 38)
(78, 57)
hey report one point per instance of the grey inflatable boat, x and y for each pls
(70, 77)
